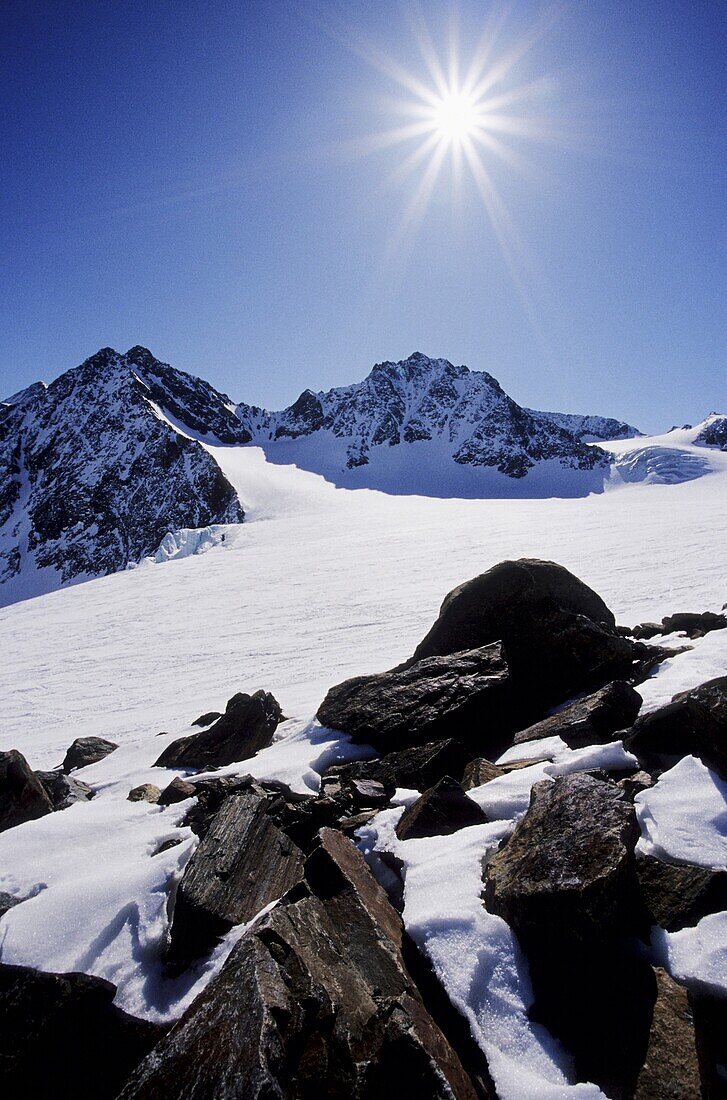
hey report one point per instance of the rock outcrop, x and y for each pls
(247, 726)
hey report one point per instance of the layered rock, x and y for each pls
(592, 720)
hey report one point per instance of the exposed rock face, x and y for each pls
(678, 895)
(416, 768)
(243, 863)
(105, 476)
(22, 796)
(314, 1001)
(441, 810)
(590, 429)
(589, 721)
(85, 751)
(62, 1035)
(63, 790)
(694, 723)
(565, 882)
(247, 726)
(714, 434)
(465, 694)
(671, 1070)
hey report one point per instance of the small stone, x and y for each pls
(443, 809)
(368, 792)
(145, 792)
(176, 791)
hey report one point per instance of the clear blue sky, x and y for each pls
(184, 175)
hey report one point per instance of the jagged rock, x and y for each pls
(243, 863)
(145, 792)
(22, 795)
(569, 863)
(207, 718)
(465, 693)
(592, 720)
(85, 751)
(315, 1000)
(694, 625)
(369, 792)
(694, 723)
(62, 1035)
(441, 810)
(8, 901)
(671, 1069)
(678, 895)
(478, 772)
(246, 727)
(63, 790)
(565, 882)
(710, 1028)
(416, 768)
(177, 791)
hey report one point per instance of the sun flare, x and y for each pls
(455, 117)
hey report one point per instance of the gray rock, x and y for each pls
(315, 1000)
(243, 863)
(22, 795)
(465, 693)
(441, 810)
(694, 723)
(592, 720)
(63, 790)
(145, 792)
(247, 726)
(85, 751)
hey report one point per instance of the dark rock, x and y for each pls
(415, 769)
(8, 901)
(693, 723)
(165, 845)
(22, 795)
(315, 1000)
(207, 718)
(678, 895)
(645, 631)
(465, 693)
(478, 772)
(592, 720)
(710, 1028)
(243, 863)
(145, 792)
(634, 784)
(85, 751)
(441, 810)
(527, 762)
(565, 882)
(671, 1070)
(177, 791)
(63, 790)
(62, 1035)
(692, 624)
(569, 863)
(369, 792)
(246, 727)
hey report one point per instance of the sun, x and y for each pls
(455, 117)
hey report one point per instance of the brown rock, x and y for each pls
(246, 727)
(145, 792)
(22, 795)
(478, 772)
(671, 1070)
(441, 810)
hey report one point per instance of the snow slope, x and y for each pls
(321, 584)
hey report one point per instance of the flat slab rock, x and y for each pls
(62, 1035)
(593, 720)
(246, 727)
(694, 723)
(22, 795)
(314, 1001)
(439, 811)
(466, 694)
(85, 751)
(243, 863)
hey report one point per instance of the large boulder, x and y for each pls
(565, 883)
(22, 795)
(466, 695)
(694, 723)
(243, 863)
(315, 1000)
(592, 720)
(443, 809)
(63, 790)
(62, 1035)
(246, 727)
(85, 751)
(678, 895)
(670, 1070)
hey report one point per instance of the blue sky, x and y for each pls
(189, 176)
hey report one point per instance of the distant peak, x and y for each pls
(141, 356)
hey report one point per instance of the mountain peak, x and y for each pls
(141, 356)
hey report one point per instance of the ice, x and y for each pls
(683, 817)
